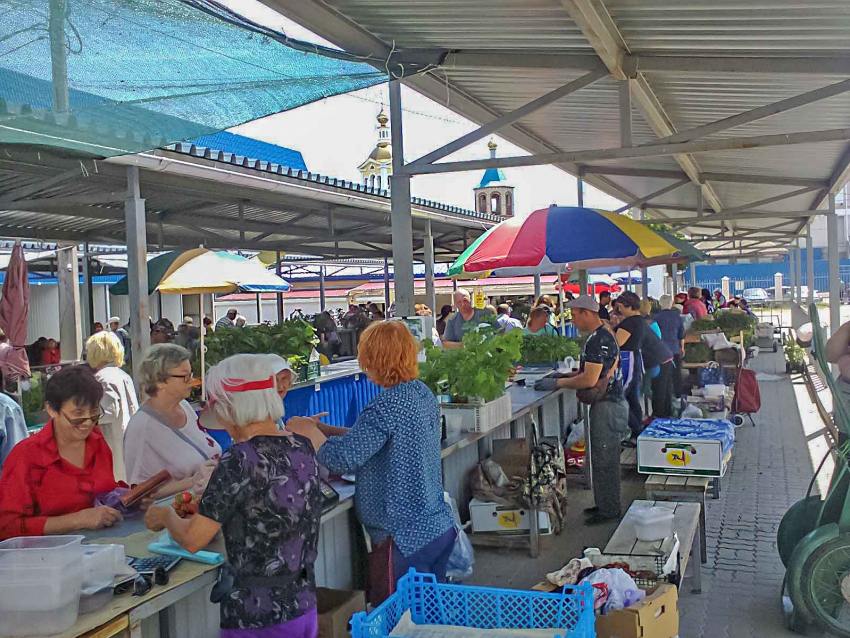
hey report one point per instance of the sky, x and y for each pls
(337, 134)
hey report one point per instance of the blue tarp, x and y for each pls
(696, 429)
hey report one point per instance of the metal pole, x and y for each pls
(644, 273)
(322, 301)
(401, 219)
(580, 191)
(137, 271)
(68, 276)
(259, 308)
(387, 288)
(280, 294)
(430, 290)
(538, 287)
(793, 274)
(810, 265)
(561, 303)
(799, 265)
(834, 281)
(203, 348)
(693, 275)
(88, 294)
(58, 55)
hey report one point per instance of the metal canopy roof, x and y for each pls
(686, 64)
(196, 196)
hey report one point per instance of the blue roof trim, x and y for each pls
(39, 279)
(492, 175)
(243, 147)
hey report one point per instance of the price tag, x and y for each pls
(480, 298)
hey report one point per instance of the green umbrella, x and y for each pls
(158, 267)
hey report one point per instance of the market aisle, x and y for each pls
(770, 471)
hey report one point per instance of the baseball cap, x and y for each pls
(115, 320)
(278, 364)
(583, 301)
(188, 321)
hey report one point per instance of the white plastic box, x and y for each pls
(40, 582)
(652, 523)
(482, 417)
(492, 517)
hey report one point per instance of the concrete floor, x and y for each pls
(770, 470)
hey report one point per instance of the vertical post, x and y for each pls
(401, 219)
(726, 288)
(259, 308)
(580, 191)
(693, 275)
(834, 282)
(538, 287)
(644, 273)
(203, 348)
(279, 271)
(88, 293)
(810, 265)
(58, 55)
(430, 289)
(322, 300)
(799, 277)
(70, 335)
(160, 234)
(777, 287)
(793, 272)
(625, 114)
(137, 270)
(387, 288)
(582, 283)
(561, 303)
(242, 222)
(454, 286)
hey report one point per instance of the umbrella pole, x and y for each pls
(561, 302)
(203, 348)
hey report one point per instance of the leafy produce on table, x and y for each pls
(292, 340)
(545, 349)
(732, 321)
(703, 325)
(697, 352)
(32, 400)
(478, 369)
(795, 355)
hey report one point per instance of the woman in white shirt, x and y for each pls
(105, 354)
(164, 434)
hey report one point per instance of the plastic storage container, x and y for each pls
(714, 390)
(99, 564)
(40, 582)
(652, 523)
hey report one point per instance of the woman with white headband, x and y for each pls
(264, 496)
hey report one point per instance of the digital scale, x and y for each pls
(330, 497)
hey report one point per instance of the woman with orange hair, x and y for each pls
(394, 446)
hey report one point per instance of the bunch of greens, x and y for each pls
(478, 369)
(729, 321)
(292, 340)
(32, 400)
(795, 355)
(548, 349)
(704, 324)
(697, 352)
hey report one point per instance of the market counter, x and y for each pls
(341, 389)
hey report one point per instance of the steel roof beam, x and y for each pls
(509, 118)
(718, 217)
(743, 178)
(815, 65)
(770, 200)
(632, 172)
(648, 198)
(644, 150)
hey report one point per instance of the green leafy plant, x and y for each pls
(32, 400)
(292, 340)
(795, 355)
(478, 369)
(730, 321)
(697, 352)
(703, 325)
(548, 349)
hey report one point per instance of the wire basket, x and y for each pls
(431, 603)
(645, 569)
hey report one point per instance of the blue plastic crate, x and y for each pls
(431, 603)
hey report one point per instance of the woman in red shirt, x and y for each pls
(50, 480)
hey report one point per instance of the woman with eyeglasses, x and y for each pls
(50, 480)
(164, 434)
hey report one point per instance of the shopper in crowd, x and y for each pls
(604, 302)
(52, 355)
(694, 304)
(658, 360)
(708, 300)
(208, 325)
(490, 309)
(4, 341)
(465, 319)
(394, 446)
(504, 320)
(609, 412)
(122, 334)
(265, 498)
(744, 306)
(13, 426)
(97, 327)
(630, 332)
(228, 320)
(669, 320)
(164, 433)
(106, 356)
(538, 324)
(328, 333)
(445, 311)
(50, 480)
(160, 334)
(719, 299)
(241, 321)
(548, 302)
(376, 312)
(35, 351)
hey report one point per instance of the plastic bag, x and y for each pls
(113, 499)
(576, 434)
(691, 412)
(621, 590)
(462, 558)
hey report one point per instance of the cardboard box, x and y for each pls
(656, 616)
(492, 517)
(682, 457)
(335, 608)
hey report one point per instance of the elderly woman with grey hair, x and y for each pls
(265, 498)
(164, 434)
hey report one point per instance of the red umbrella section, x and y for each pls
(14, 311)
(597, 287)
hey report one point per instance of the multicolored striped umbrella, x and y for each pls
(549, 239)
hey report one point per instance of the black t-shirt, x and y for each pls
(654, 350)
(601, 347)
(604, 314)
(637, 328)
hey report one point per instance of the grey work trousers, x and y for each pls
(609, 425)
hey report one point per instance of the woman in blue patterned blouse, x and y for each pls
(395, 449)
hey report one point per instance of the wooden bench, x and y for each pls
(684, 489)
(628, 457)
(625, 547)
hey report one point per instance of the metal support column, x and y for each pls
(430, 290)
(401, 219)
(137, 271)
(810, 266)
(88, 294)
(644, 273)
(68, 279)
(259, 308)
(58, 55)
(322, 300)
(693, 275)
(799, 277)
(793, 274)
(387, 287)
(582, 282)
(538, 287)
(580, 191)
(834, 281)
(279, 271)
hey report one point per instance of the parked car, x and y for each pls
(756, 296)
(786, 293)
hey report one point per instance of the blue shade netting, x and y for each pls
(111, 77)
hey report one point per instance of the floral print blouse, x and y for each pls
(265, 493)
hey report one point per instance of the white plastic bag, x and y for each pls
(462, 559)
(622, 590)
(576, 434)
